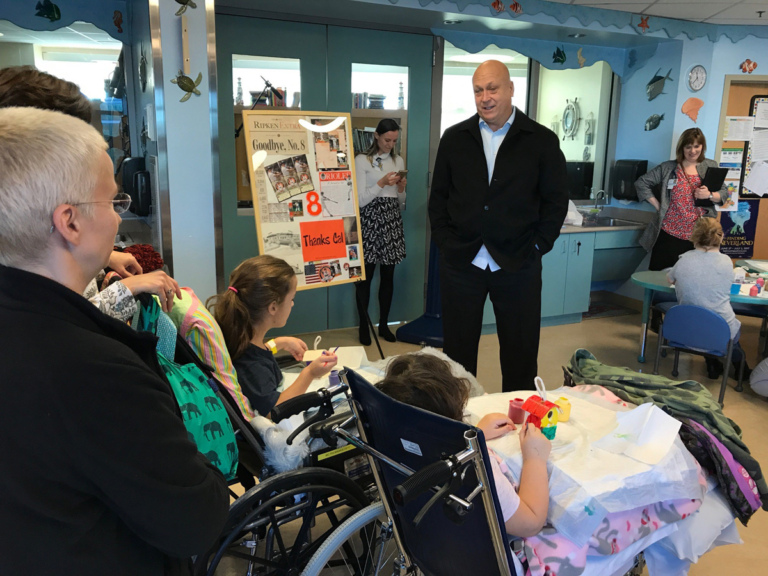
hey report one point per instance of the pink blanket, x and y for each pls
(551, 554)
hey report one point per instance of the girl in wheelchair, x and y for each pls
(426, 382)
(259, 298)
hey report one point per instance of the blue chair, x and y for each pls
(699, 331)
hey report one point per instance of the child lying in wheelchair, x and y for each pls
(426, 382)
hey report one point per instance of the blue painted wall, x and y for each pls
(633, 141)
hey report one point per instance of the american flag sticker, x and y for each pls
(310, 274)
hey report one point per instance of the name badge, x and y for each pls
(672, 183)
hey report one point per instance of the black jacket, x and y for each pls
(97, 475)
(524, 205)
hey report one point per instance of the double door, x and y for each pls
(326, 57)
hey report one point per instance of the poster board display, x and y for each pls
(305, 195)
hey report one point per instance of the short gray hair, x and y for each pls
(46, 159)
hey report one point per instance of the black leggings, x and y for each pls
(386, 289)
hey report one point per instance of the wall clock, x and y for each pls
(571, 117)
(697, 77)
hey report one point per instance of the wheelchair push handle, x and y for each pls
(434, 474)
(305, 402)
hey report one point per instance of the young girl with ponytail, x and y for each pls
(260, 297)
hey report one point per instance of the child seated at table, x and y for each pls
(426, 382)
(259, 298)
(703, 277)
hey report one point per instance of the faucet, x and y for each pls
(597, 197)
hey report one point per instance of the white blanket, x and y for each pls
(586, 483)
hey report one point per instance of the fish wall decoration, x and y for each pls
(47, 9)
(558, 56)
(515, 8)
(748, 66)
(653, 122)
(655, 86)
(580, 58)
(498, 6)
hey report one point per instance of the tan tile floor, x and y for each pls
(615, 341)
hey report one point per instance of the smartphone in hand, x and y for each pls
(402, 173)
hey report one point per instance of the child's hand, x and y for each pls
(292, 345)
(321, 365)
(495, 424)
(533, 443)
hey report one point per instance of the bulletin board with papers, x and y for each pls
(755, 161)
(304, 194)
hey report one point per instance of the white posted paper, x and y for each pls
(738, 127)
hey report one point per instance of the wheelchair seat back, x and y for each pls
(439, 546)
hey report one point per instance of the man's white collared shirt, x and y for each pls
(491, 144)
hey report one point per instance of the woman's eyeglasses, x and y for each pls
(120, 203)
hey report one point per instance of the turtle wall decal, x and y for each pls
(184, 4)
(187, 84)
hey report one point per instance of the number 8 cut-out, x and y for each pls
(313, 206)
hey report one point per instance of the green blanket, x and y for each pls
(680, 399)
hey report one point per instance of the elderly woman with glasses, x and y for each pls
(27, 86)
(96, 461)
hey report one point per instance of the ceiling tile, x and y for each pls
(747, 11)
(735, 21)
(722, 3)
(613, 4)
(634, 8)
(684, 11)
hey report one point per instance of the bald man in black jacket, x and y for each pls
(498, 200)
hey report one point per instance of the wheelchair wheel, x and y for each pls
(364, 545)
(276, 527)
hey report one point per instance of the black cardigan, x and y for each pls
(524, 205)
(97, 475)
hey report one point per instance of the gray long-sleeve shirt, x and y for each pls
(704, 279)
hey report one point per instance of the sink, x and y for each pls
(604, 221)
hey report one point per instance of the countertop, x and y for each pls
(569, 229)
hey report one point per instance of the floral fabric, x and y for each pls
(682, 213)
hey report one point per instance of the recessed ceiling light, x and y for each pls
(577, 35)
(1, 33)
(479, 58)
(451, 22)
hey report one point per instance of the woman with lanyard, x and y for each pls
(381, 193)
(680, 181)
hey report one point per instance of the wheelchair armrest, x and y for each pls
(324, 429)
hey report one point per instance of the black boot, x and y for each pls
(386, 288)
(386, 333)
(365, 334)
(714, 368)
(362, 295)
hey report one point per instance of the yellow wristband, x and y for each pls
(272, 346)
